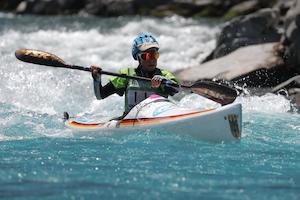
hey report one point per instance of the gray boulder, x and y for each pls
(50, 7)
(290, 88)
(284, 5)
(9, 5)
(244, 65)
(291, 37)
(41, 7)
(246, 7)
(110, 7)
(289, 84)
(256, 28)
(209, 8)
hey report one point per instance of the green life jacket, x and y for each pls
(137, 91)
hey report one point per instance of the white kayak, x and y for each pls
(158, 113)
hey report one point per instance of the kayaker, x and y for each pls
(145, 50)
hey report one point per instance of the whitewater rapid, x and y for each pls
(42, 159)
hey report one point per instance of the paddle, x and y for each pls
(209, 89)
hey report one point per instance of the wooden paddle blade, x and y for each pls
(39, 57)
(220, 93)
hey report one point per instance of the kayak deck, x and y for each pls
(133, 122)
(219, 124)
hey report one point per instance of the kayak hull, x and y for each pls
(220, 124)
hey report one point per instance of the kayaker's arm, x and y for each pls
(100, 91)
(103, 92)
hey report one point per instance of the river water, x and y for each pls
(42, 159)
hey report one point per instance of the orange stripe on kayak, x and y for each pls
(128, 122)
(80, 125)
(152, 120)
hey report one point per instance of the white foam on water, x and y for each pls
(12, 138)
(268, 103)
(195, 101)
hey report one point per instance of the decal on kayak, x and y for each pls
(234, 126)
(161, 109)
(132, 122)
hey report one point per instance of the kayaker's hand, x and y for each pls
(171, 87)
(96, 72)
(157, 80)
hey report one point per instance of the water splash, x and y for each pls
(268, 103)
(52, 91)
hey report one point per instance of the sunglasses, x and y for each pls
(151, 55)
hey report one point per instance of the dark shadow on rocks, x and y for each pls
(109, 8)
(265, 77)
(291, 37)
(291, 89)
(9, 5)
(53, 7)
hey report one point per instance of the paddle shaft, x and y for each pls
(138, 78)
(211, 90)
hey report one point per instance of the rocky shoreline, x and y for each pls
(159, 8)
(258, 50)
(258, 46)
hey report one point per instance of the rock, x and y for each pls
(284, 5)
(292, 12)
(53, 7)
(232, 8)
(293, 82)
(110, 7)
(178, 8)
(9, 5)
(216, 8)
(242, 9)
(290, 89)
(239, 64)
(151, 4)
(221, 8)
(41, 7)
(256, 28)
(295, 98)
(185, 8)
(94, 7)
(208, 8)
(291, 37)
(245, 6)
(71, 6)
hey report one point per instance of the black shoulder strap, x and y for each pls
(157, 72)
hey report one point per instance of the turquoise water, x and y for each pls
(41, 159)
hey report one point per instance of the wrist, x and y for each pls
(96, 77)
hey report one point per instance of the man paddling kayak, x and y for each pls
(145, 50)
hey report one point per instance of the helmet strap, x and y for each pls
(138, 58)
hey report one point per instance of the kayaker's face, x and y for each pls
(148, 60)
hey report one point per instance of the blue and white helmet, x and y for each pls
(142, 43)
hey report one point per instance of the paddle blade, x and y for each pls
(39, 57)
(215, 91)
